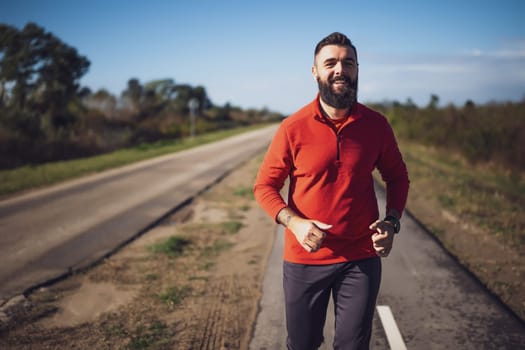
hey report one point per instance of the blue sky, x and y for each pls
(259, 53)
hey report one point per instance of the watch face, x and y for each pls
(395, 222)
(397, 227)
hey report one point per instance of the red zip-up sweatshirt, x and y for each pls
(331, 180)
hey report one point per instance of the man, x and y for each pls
(333, 238)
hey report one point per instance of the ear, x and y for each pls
(314, 73)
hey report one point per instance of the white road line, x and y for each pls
(389, 325)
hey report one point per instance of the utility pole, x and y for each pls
(193, 105)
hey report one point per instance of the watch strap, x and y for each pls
(394, 221)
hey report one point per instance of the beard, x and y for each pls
(343, 99)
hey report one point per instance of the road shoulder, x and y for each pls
(206, 294)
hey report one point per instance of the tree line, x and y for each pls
(489, 133)
(45, 115)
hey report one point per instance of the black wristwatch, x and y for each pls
(394, 221)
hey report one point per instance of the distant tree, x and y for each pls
(102, 101)
(84, 92)
(434, 101)
(134, 93)
(410, 103)
(470, 104)
(164, 90)
(186, 92)
(38, 72)
(3, 95)
(204, 102)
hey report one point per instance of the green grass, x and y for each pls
(154, 335)
(172, 247)
(244, 192)
(174, 295)
(231, 227)
(217, 247)
(28, 177)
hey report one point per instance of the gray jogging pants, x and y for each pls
(307, 288)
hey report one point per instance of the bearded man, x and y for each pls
(334, 240)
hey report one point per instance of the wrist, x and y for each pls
(285, 216)
(394, 222)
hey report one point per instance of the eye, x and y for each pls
(350, 63)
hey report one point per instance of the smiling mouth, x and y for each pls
(339, 81)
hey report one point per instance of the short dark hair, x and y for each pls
(335, 38)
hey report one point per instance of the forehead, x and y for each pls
(329, 52)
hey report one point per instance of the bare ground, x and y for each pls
(203, 292)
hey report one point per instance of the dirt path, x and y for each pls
(193, 282)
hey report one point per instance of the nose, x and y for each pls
(338, 68)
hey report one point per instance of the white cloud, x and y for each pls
(513, 50)
(455, 78)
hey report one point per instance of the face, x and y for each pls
(336, 72)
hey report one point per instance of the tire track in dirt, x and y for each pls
(213, 318)
(216, 322)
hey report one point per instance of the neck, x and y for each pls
(334, 113)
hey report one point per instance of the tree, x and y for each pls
(102, 101)
(38, 72)
(434, 101)
(186, 92)
(410, 103)
(164, 89)
(470, 104)
(134, 93)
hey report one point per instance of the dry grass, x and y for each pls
(476, 212)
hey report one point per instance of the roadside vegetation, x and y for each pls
(46, 116)
(467, 172)
(471, 159)
(493, 133)
(33, 176)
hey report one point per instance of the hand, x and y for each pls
(308, 232)
(383, 238)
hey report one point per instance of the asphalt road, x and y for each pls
(45, 234)
(49, 233)
(434, 302)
